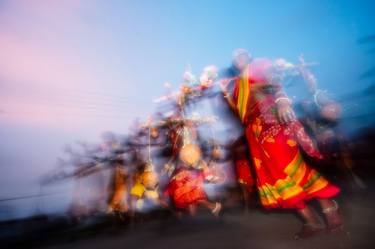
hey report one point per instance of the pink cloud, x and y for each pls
(41, 51)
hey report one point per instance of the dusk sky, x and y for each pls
(71, 69)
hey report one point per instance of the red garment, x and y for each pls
(243, 173)
(283, 179)
(186, 187)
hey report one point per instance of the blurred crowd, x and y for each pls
(175, 160)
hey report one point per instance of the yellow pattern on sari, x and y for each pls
(290, 186)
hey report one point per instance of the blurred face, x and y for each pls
(241, 61)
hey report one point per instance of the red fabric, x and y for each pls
(273, 146)
(186, 187)
(243, 173)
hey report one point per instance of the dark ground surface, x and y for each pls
(234, 229)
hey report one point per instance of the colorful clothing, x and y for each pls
(118, 198)
(146, 192)
(284, 179)
(138, 188)
(186, 187)
(244, 175)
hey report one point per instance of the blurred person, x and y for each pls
(321, 116)
(118, 201)
(186, 186)
(145, 193)
(284, 179)
(242, 164)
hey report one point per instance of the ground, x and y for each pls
(235, 229)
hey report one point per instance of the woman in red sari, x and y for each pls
(284, 180)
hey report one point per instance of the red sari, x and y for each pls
(283, 178)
